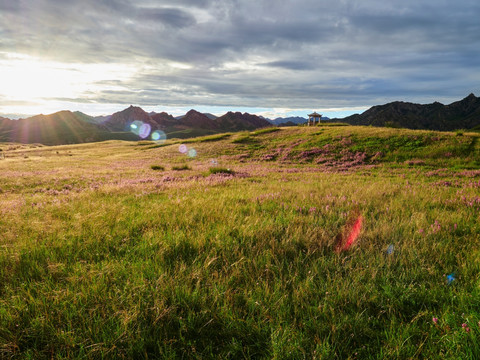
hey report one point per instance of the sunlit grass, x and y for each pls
(101, 257)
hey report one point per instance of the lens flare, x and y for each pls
(192, 153)
(390, 249)
(450, 278)
(183, 149)
(347, 239)
(144, 130)
(159, 136)
(136, 126)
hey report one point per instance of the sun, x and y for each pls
(28, 80)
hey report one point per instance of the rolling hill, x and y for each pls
(66, 127)
(137, 250)
(236, 121)
(463, 114)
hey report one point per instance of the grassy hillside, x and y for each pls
(226, 246)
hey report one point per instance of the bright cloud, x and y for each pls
(297, 54)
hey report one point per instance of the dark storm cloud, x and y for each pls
(9, 6)
(290, 65)
(175, 18)
(293, 53)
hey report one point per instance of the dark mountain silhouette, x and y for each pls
(463, 114)
(122, 120)
(236, 121)
(293, 119)
(64, 127)
(163, 119)
(195, 119)
(288, 121)
(101, 119)
(210, 116)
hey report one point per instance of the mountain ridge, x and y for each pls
(462, 114)
(67, 127)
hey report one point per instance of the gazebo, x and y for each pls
(314, 118)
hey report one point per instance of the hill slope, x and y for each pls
(463, 114)
(236, 121)
(64, 127)
(122, 250)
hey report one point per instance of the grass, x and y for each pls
(215, 137)
(100, 257)
(267, 130)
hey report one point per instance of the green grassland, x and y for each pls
(136, 250)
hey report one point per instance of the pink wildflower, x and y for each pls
(467, 329)
(435, 320)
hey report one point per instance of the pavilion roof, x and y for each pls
(315, 114)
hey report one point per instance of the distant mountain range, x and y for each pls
(66, 127)
(291, 121)
(463, 114)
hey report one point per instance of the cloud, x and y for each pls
(175, 18)
(291, 65)
(295, 53)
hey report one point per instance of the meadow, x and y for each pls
(227, 246)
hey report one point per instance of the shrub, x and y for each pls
(181, 167)
(157, 167)
(220, 170)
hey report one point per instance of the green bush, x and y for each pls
(220, 170)
(181, 167)
(157, 167)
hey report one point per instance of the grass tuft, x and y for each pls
(157, 167)
(181, 167)
(220, 170)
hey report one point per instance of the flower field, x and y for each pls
(236, 247)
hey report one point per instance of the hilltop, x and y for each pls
(463, 114)
(66, 127)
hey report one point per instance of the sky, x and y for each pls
(273, 58)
